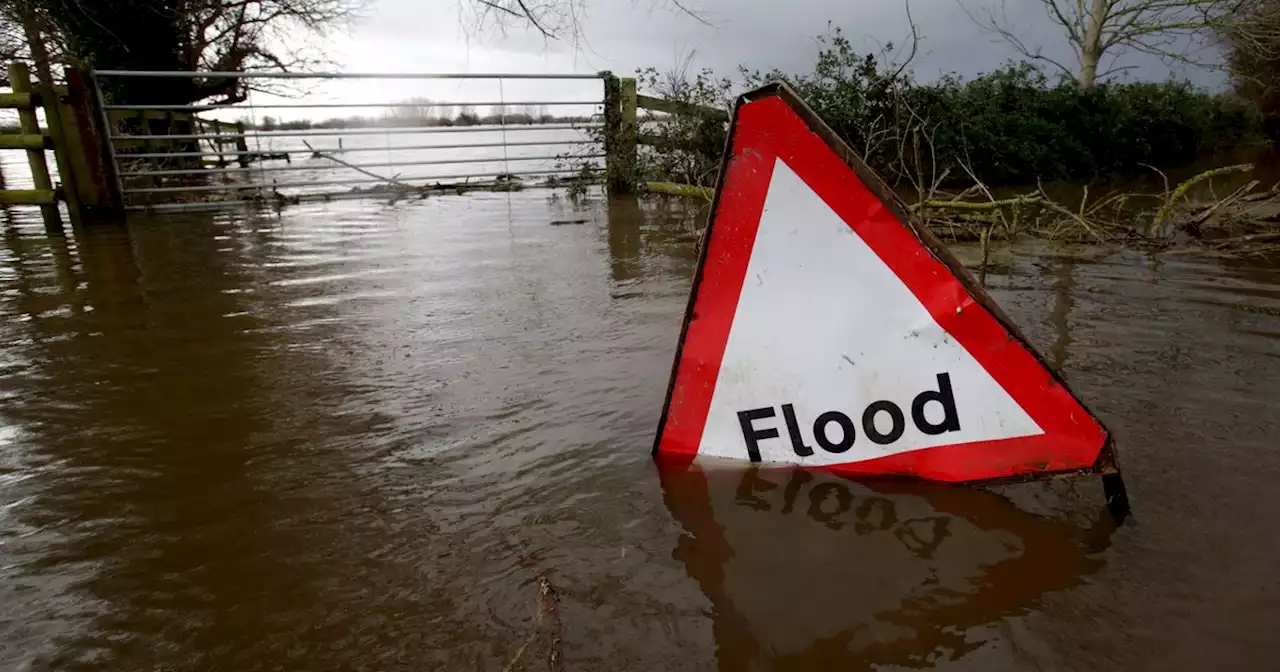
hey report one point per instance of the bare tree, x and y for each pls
(1097, 29)
(242, 34)
(1252, 37)
(209, 35)
(554, 19)
(26, 35)
(412, 110)
(1252, 43)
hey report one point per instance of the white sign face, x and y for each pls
(832, 359)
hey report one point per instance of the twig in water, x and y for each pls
(1252, 239)
(1218, 205)
(520, 652)
(1171, 202)
(1079, 220)
(986, 255)
(549, 604)
(1162, 176)
(546, 620)
(980, 206)
(388, 180)
(1263, 195)
(968, 169)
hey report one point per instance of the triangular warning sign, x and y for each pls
(828, 328)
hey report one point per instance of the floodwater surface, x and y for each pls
(361, 436)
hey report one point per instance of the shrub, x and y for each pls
(1013, 125)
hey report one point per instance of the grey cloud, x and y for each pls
(624, 35)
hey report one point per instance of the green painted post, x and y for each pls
(62, 152)
(20, 81)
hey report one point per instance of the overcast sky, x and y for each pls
(624, 35)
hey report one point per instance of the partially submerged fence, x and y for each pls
(626, 133)
(157, 156)
(26, 98)
(182, 158)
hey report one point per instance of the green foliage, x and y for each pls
(1011, 126)
(859, 96)
(693, 142)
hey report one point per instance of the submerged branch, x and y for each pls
(389, 180)
(1162, 216)
(981, 205)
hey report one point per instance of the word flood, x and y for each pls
(836, 432)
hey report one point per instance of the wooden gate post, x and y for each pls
(80, 132)
(619, 133)
(218, 144)
(242, 145)
(88, 128)
(627, 131)
(63, 152)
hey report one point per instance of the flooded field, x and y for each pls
(359, 436)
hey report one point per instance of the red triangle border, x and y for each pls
(772, 123)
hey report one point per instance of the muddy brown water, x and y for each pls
(358, 436)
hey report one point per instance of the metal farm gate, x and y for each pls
(284, 145)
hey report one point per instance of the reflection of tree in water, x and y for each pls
(1060, 313)
(192, 437)
(932, 619)
(625, 223)
(642, 231)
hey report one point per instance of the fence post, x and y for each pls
(174, 145)
(627, 134)
(114, 204)
(218, 144)
(149, 147)
(612, 128)
(242, 145)
(20, 81)
(619, 133)
(84, 145)
(62, 151)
